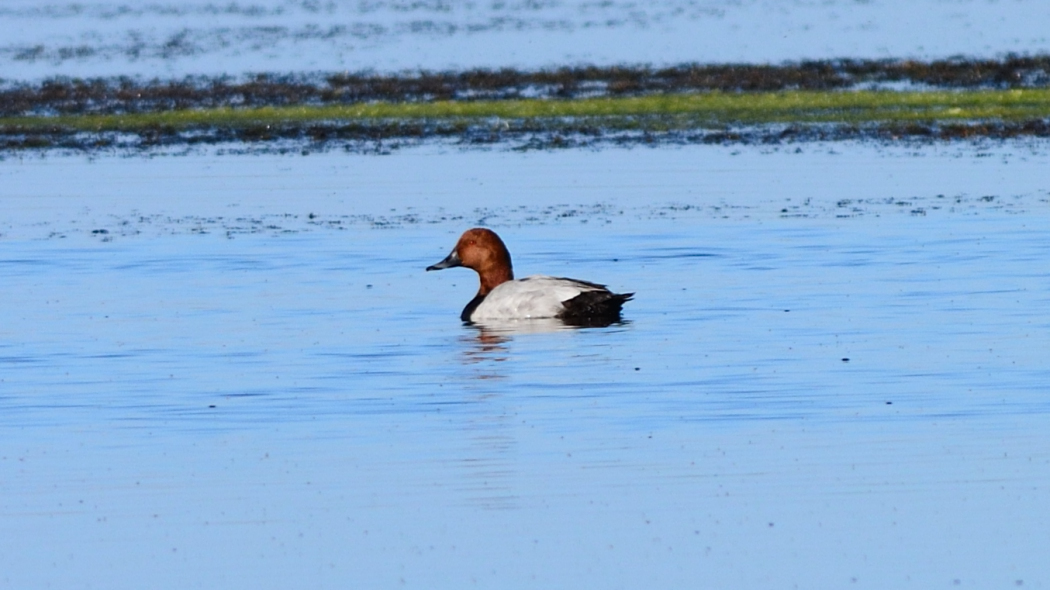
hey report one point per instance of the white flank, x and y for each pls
(537, 296)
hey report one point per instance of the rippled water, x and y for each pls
(233, 372)
(107, 38)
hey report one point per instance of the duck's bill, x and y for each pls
(450, 261)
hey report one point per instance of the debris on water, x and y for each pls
(527, 136)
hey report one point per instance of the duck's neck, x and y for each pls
(494, 277)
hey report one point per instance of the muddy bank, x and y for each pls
(131, 95)
(361, 112)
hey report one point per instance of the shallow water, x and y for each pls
(100, 38)
(833, 374)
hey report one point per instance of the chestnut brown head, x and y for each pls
(481, 250)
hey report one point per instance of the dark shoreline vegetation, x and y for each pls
(819, 100)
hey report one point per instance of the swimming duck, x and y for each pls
(500, 297)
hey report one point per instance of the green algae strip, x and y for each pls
(700, 109)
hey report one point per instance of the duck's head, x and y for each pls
(483, 251)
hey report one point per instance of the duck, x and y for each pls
(501, 297)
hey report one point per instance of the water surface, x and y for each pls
(104, 38)
(833, 373)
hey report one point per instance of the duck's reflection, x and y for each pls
(486, 341)
(489, 460)
(482, 347)
(492, 419)
(514, 327)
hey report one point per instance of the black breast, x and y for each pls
(469, 309)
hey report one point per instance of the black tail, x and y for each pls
(594, 309)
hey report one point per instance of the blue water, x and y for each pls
(192, 37)
(227, 370)
(833, 374)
